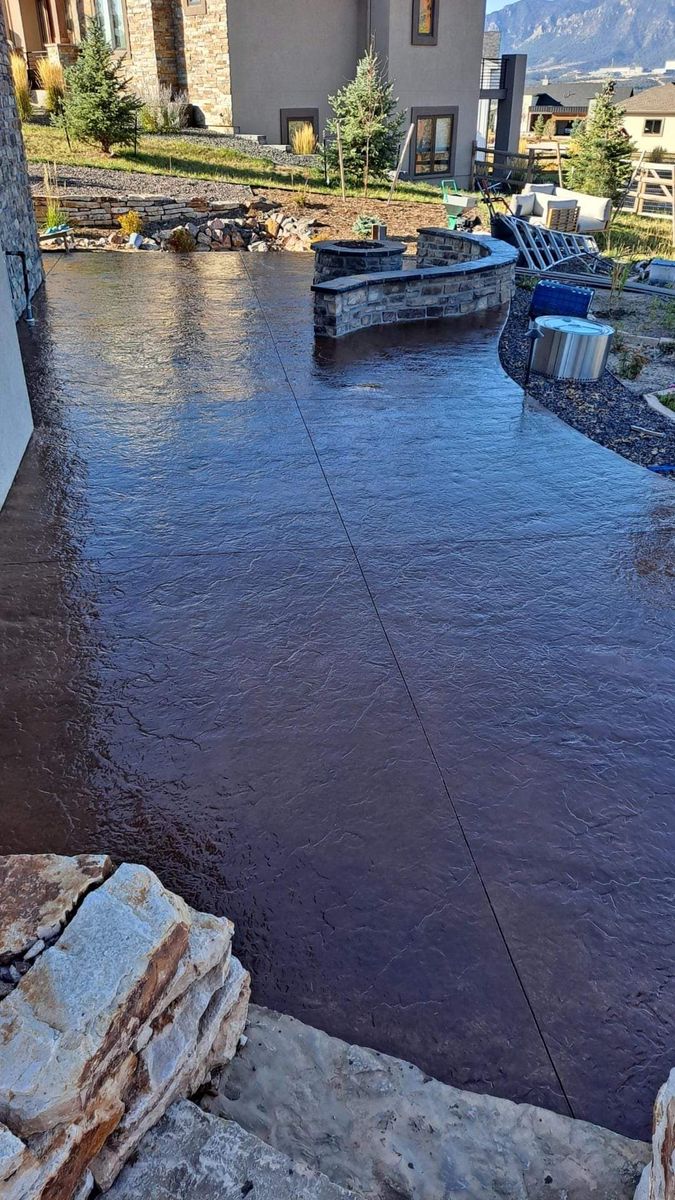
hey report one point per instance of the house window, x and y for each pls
(434, 142)
(425, 22)
(111, 15)
(293, 119)
(654, 125)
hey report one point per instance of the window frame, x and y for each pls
(652, 132)
(447, 110)
(309, 115)
(424, 39)
(123, 9)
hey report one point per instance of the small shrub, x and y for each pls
(667, 347)
(130, 222)
(657, 155)
(52, 82)
(667, 398)
(527, 282)
(181, 241)
(618, 280)
(302, 194)
(304, 140)
(618, 342)
(631, 363)
(363, 226)
(55, 213)
(163, 111)
(19, 69)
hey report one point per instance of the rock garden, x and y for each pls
(617, 410)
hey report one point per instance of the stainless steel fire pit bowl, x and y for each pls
(571, 348)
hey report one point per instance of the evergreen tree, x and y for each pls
(370, 124)
(539, 127)
(96, 106)
(600, 152)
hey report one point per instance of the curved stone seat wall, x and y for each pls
(457, 274)
(336, 259)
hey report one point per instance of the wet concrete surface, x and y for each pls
(362, 649)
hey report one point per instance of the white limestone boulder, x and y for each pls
(129, 1009)
(38, 892)
(193, 1156)
(379, 1126)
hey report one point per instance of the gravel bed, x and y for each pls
(276, 154)
(102, 181)
(604, 411)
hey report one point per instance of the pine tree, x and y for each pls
(370, 125)
(96, 106)
(539, 127)
(600, 151)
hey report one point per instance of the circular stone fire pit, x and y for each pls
(334, 259)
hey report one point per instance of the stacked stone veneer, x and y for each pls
(457, 274)
(203, 59)
(17, 224)
(101, 212)
(117, 999)
(336, 259)
(152, 60)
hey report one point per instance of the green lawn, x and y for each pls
(194, 158)
(634, 237)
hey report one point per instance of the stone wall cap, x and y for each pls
(357, 249)
(349, 283)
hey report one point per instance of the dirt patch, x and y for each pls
(337, 216)
(642, 324)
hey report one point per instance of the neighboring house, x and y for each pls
(261, 66)
(649, 118)
(564, 103)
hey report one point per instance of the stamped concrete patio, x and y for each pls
(362, 650)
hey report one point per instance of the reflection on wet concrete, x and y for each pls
(361, 649)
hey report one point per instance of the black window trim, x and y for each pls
(424, 39)
(311, 115)
(652, 132)
(445, 110)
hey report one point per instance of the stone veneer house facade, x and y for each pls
(257, 66)
(18, 233)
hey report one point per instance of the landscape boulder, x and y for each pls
(124, 1001)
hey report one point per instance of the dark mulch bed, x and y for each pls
(603, 411)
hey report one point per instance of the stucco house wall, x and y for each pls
(446, 75)
(634, 124)
(290, 55)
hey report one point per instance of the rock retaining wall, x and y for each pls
(117, 999)
(476, 273)
(101, 212)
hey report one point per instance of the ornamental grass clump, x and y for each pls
(19, 69)
(55, 213)
(97, 108)
(163, 111)
(303, 140)
(53, 84)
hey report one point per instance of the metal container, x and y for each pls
(571, 347)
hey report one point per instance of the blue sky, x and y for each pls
(493, 5)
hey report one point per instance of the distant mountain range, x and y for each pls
(586, 35)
